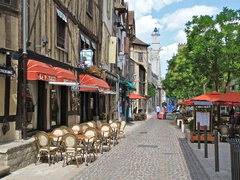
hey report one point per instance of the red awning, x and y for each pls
(187, 103)
(64, 75)
(211, 96)
(229, 99)
(91, 83)
(40, 71)
(136, 96)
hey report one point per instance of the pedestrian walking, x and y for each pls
(157, 110)
(165, 112)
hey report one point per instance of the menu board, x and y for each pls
(204, 119)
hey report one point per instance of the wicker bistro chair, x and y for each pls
(237, 131)
(83, 127)
(57, 141)
(72, 150)
(92, 124)
(98, 123)
(105, 136)
(76, 128)
(90, 143)
(115, 131)
(122, 128)
(44, 147)
(224, 132)
(66, 129)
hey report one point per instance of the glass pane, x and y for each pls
(54, 107)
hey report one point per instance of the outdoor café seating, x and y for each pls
(89, 144)
(122, 127)
(115, 131)
(44, 148)
(56, 139)
(92, 124)
(81, 141)
(71, 148)
(66, 129)
(76, 128)
(224, 132)
(98, 123)
(105, 135)
(83, 128)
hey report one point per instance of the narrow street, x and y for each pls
(153, 149)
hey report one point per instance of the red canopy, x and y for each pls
(230, 98)
(211, 96)
(40, 71)
(136, 96)
(188, 102)
(64, 75)
(91, 83)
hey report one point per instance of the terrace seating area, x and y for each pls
(79, 144)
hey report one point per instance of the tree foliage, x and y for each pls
(151, 90)
(211, 58)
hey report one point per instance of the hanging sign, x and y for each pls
(86, 56)
(7, 70)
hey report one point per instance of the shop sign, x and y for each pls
(45, 77)
(9, 71)
(75, 88)
(86, 56)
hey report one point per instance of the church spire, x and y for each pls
(156, 31)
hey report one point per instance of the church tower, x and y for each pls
(155, 55)
(154, 59)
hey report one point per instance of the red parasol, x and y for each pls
(188, 102)
(230, 99)
(211, 96)
(136, 96)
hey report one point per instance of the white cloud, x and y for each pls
(179, 18)
(166, 54)
(143, 7)
(145, 24)
(171, 25)
(181, 37)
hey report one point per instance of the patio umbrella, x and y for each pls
(230, 99)
(188, 102)
(211, 96)
(136, 96)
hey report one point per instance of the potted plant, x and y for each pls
(95, 70)
(103, 116)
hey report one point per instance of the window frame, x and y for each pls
(12, 3)
(90, 8)
(61, 31)
(140, 57)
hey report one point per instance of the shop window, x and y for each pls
(10, 3)
(30, 108)
(75, 102)
(54, 107)
(61, 29)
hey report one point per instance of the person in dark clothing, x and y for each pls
(135, 110)
(231, 114)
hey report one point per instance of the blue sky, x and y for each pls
(170, 17)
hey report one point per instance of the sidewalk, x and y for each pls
(56, 171)
(153, 149)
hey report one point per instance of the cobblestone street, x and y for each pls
(154, 150)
